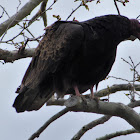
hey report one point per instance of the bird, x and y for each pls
(73, 57)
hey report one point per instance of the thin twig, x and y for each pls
(117, 7)
(27, 30)
(2, 13)
(11, 22)
(137, 16)
(5, 11)
(118, 78)
(74, 11)
(18, 5)
(127, 62)
(14, 36)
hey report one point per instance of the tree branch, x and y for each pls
(78, 104)
(40, 130)
(118, 133)
(90, 125)
(102, 120)
(102, 93)
(117, 7)
(90, 105)
(134, 104)
(11, 56)
(115, 88)
(41, 12)
(59, 102)
(74, 11)
(22, 13)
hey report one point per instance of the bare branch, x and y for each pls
(22, 13)
(18, 5)
(135, 77)
(39, 13)
(78, 104)
(59, 102)
(118, 133)
(42, 12)
(127, 62)
(89, 126)
(116, 88)
(5, 11)
(2, 12)
(15, 36)
(118, 78)
(41, 129)
(27, 30)
(44, 15)
(11, 56)
(138, 17)
(74, 11)
(101, 120)
(123, 1)
(83, 3)
(102, 93)
(134, 104)
(117, 7)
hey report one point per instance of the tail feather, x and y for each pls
(30, 99)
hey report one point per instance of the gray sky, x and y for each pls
(20, 126)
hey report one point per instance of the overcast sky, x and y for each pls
(14, 126)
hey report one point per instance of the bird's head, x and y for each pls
(135, 29)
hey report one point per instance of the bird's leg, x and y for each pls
(77, 91)
(94, 97)
(92, 93)
(79, 95)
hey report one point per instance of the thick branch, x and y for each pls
(104, 92)
(90, 125)
(118, 133)
(77, 104)
(22, 13)
(56, 116)
(59, 102)
(96, 109)
(134, 104)
(102, 120)
(10, 56)
(41, 12)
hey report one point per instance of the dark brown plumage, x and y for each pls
(73, 56)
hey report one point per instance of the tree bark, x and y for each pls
(78, 104)
(11, 56)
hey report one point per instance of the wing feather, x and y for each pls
(60, 42)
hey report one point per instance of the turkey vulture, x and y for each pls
(72, 57)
